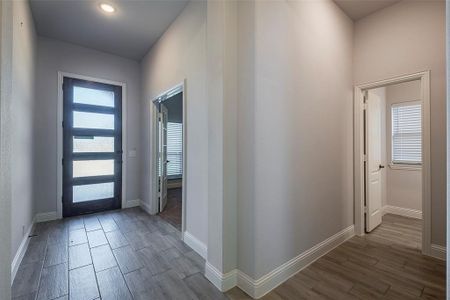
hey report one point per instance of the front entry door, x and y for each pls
(374, 167)
(92, 147)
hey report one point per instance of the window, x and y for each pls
(174, 149)
(407, 133)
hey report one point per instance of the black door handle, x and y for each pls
(381, 167)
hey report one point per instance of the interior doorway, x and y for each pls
(169, 138)
(393, 165)
(392, 160)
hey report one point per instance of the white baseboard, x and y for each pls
(132, 203)
(48, 216)
(146, 208)
(260, 287)
(21, 251)
(405, 212)
(195, 244)
(438, 251)
(223, 282)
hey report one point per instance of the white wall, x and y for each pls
(22, 115)
(413, 33)
(448, 143)
(404, 187)
(5, 146)
(296, 118)
(181, 54)
(54, 56)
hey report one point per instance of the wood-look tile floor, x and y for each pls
(130, 255)
(385, 264)
(172, 211)
(120, 255)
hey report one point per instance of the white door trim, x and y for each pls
(424, 78)
(59, 156)
(153, 162)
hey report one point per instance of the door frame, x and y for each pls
(59, 155)
(181, 87)
(358, 120)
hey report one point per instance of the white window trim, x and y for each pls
(403, 165)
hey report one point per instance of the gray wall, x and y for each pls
(295, 146)
(22, 115)
(406, 38)
(54, 56)
(180, 54)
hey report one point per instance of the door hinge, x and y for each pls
(365, 209)
(365, 157)
(365, 105)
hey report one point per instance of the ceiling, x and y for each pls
(357, 9)
(129, 32)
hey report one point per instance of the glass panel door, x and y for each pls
(92, 154)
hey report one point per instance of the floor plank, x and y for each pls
(96, 238)
(83, 284)
(56, 254)
(54, 282)
(127, 259)
(112, 285)
(77, 237)
(103, 258)
(79, 256)
(116, 239)
(27, 279)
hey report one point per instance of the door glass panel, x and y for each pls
(93, 144)
(84, 168)
(92, 120)
(90, 192)
(93, 96)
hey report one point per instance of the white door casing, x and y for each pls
(374, 166)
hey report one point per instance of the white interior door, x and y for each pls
(374, 167)
(163, 117)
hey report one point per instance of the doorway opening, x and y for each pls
(170, 156)
(392, 161)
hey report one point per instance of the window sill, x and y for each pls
(405, 167)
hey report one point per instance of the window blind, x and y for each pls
(407, 133)
(174, 149)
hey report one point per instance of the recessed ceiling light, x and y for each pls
(107, 8)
